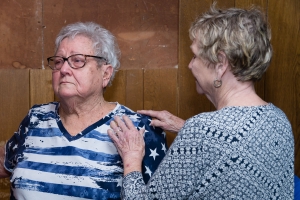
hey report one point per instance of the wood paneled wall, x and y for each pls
(146, 30)
(280, 84)
(171, 89)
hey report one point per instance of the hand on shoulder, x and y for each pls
(164, 120)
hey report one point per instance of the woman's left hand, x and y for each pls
(129, 143)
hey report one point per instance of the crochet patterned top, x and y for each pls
(232, 153)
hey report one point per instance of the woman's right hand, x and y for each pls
(129, 142)
(164, 120)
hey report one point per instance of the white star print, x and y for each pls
(153, 153)
(148, 171)
(150, 119)
(164, 133)
(164, 147)
(119, 182)
(16, 146)
(134, 117)
(144, 128)
(9, 144)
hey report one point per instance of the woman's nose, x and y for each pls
(65, 68)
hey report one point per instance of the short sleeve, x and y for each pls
(155, 147)
(15, 146)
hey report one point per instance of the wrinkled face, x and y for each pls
(203, 73)
(86, 82)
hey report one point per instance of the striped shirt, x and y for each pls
(48, 163)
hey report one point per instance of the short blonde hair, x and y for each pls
(243, 35)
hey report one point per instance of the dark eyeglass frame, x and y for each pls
(67, 59)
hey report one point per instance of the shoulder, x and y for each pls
(140, 121)
(277, 112)
(43, 108)
(43, 112)
(135, 117)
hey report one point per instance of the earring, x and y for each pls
(217, 83)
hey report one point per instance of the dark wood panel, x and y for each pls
(41, 90)
(223, 4)
(146, 30)
(160, 89)
(14, 103)
(281, 76)
(21, 34)
(297, 111)
(160, 92)
(248, 3)
(117, 91)
(135, 89)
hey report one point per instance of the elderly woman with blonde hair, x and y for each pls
(244, 149)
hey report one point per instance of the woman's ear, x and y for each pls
(107, 73)
(222, 65)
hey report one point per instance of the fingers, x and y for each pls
(128, 122)
(112, 135)
(118, 124)
(114, 126)
(122, 127)
(151, 113)
(156, 123)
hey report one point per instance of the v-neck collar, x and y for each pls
(87, 129)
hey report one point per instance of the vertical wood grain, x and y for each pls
(160, 92)
(41, 90)
(14, 101)
(281, 76)
(117, 91)
(21, 32)
(248, 3)
(135, 89)
(14, 104)
(297, 110)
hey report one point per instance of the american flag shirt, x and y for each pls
(46, 162)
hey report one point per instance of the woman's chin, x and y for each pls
(65, 94)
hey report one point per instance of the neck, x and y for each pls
(76, 116)
(81, 108)
(237, 94)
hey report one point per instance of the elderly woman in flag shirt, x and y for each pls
(61, 150)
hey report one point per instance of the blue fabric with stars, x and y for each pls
(48, 163)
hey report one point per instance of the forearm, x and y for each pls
(3, 172)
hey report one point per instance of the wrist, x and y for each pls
(131, 165)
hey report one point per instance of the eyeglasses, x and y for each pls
(75, 61)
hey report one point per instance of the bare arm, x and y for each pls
(3, 172)
(164, 120)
